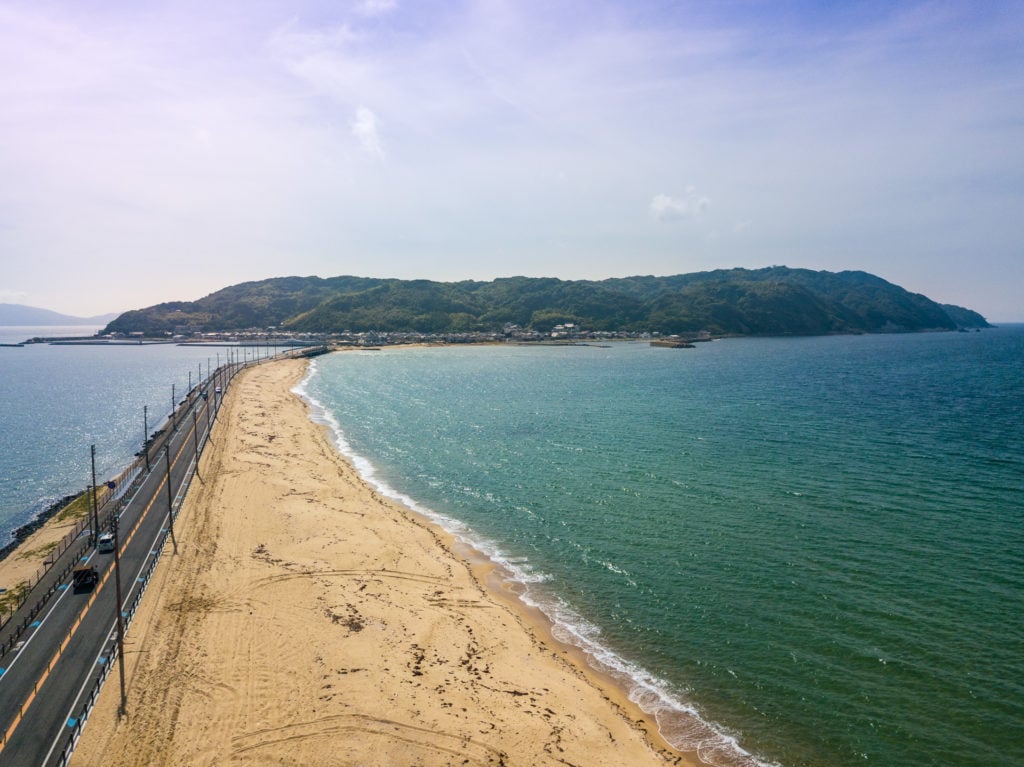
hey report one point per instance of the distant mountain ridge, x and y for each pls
(775, 300)
(18, 314)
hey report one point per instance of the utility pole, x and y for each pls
(145, 433)
(195, 440)
(174, 423)
(95, 508)
(214, 391)
(170, 496)
(209, 406)
(120, 618)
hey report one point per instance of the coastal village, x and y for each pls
(560, 334)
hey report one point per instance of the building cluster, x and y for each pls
(560, 334)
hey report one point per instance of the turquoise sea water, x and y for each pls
(799, 551)
(815, 543)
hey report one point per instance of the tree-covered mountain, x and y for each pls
(772, 301)
(965, 318)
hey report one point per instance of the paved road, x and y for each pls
(46, 684)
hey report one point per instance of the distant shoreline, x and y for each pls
(20, 534)
(369, 340)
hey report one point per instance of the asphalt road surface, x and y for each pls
(48, 681)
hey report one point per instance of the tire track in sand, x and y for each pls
(370, 737)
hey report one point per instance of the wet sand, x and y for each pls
(306, 620)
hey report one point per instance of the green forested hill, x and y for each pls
(771, 301)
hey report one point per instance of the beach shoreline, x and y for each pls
(306, 619)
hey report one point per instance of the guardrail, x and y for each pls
(110, 654)
(120, 495)
(103, 497)
(129, 614)
(113, 503)
(109, 501)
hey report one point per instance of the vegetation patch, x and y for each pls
(77, 509)
(11, 598)
(39, 552)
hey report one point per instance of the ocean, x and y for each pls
(799, 551)
(57, 401)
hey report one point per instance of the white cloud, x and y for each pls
(12, 296)
(260, 120)
(377, 7)
(666, 208)
(292, 42)
(364, 128)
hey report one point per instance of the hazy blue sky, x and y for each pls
(162, 150)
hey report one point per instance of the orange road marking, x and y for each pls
(81, 615)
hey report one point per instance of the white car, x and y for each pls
(105, 543)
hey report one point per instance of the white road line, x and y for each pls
(78, 697)
(34, 634)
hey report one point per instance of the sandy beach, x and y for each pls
(305, 620)
(24, 563)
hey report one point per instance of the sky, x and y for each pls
(161, 151)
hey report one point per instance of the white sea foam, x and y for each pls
(679, 721)
(618, 571)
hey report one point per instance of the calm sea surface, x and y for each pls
(816, 545)
(56, 401)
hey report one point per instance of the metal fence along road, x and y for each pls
(58, 648)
